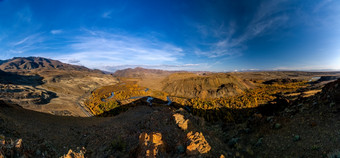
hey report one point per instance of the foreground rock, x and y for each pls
(197, 144)
(151, 145)
(73, 154)
(10, 148)
(181, 121)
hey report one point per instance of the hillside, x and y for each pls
(307, 127)
(126, 135)
(269, 75)
(151, 78)
(30, 63)
(140, 72)
(51, 86)
(204, 86)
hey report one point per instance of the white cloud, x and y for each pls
(98, 49)
(54, 32)
(26, 44)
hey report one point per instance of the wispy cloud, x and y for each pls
(99, 49)
(265, 19)
(26, 44)
(110, 13)
(54, 32)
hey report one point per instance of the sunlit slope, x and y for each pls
(205, 86)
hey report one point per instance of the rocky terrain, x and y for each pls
(307, 127)
(141, 131)
(50, 86)
(40, 105)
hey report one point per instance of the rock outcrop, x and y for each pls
(181, 121)
(197, 144)
(151, 145)
(10, 148)
(73, 154)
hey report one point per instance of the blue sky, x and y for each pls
(212, 35)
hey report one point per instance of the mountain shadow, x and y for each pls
(44, 97)
(16, 79)
(139, 102)
(222, 114)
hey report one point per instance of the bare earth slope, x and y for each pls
(139, 72)
(204, 86)
(49, 86)
(119, 136)
(150, 78)
(29, 63)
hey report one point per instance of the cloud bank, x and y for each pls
(98, 49)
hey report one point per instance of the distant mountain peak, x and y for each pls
(30, 63)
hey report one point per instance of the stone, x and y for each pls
(296, 138)
(37, 152)
(259, 142)
(277, 126)
(18, 145)
(181, 122)
(197, 144)
(334, 154)
(180, 149)
(72, 154)
(270, 118)
(2, 140)
(331, 104)
(247, 130)
(151, 145)
(232, 142)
